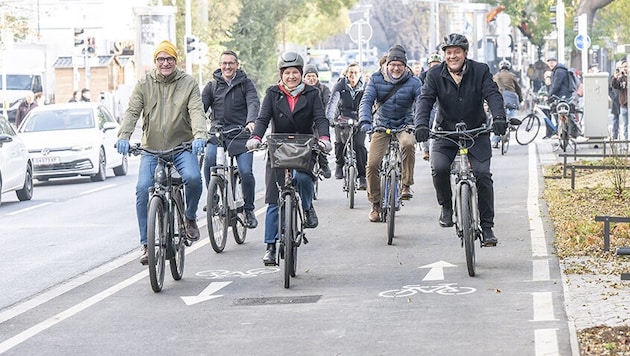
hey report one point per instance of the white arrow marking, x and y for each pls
(205, 294)
(436, 272)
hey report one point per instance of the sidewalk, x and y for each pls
(590, 300)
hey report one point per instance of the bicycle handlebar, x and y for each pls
(218, 130)
(408, 129)
(460, 132)
(136, 149)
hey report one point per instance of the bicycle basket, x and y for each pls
(290, 150)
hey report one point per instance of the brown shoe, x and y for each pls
(192, 230)
(406, 194)
(144, 258)
(426, 156)
(375, 213)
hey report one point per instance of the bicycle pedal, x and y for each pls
(187, 242)
(305, 239)
(488, 244)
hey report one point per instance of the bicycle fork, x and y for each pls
(474, 208)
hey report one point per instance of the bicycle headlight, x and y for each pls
(350, 122)
(563, 108)
(160, 174)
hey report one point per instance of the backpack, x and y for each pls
(574, 81)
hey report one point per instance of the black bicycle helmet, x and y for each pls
(505, 64)
(455, 40)
(290, 59)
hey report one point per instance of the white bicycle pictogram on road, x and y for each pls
(442, 289)
(222, 273)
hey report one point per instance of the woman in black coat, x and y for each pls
(290, 107)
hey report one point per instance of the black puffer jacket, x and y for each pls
(560, 82)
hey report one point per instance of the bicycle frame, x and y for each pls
(228, 173)
(350, 157)
(391, 167)
(463, 178)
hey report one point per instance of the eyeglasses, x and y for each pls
(169, 60)
(228, 64)
(396, 65)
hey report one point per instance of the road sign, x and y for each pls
(360, 31)
(582, 42)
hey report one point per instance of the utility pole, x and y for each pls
(187, 34)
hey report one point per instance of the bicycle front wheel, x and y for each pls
(216, 214)
(467, 227)
(392, 196)
(239, 222)
(179, 237)
(563, 134)
(505, 142)
(527, 131)
(352, 182)
(156, 242)
(289, 231)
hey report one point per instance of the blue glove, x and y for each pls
(198, 146)
(122, 146)
(366, 127)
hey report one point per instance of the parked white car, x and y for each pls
(16, 171)
(72, 139)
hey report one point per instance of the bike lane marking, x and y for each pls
(436, 271)
(206, 294)
(28, 209)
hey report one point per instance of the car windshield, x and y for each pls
(70, 119)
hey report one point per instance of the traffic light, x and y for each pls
(78, 37)
(553, 19)
(91, 46)
(192, 44)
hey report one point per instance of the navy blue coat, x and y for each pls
(560, 85)
(397, 111)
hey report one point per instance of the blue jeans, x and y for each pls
(305, 187)
(245, 162)
(623, 117)
(188, 167)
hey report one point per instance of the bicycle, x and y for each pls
(225, 204)
(350, 172)
(301, 147)
(390, 179)
(466, 210)
(528, 130)
(166, 232)
(568, 125)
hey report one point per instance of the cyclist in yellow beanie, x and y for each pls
(167, 47)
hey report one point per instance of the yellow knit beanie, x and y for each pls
(167, 47)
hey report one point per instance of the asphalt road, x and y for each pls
(71, 286)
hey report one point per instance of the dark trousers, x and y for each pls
(341, 136)
(441, 159)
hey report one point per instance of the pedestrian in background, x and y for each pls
(620, 82)
(27, 104)
(76, 97)
(614, 105)
(86, 95)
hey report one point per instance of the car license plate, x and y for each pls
(45, 161)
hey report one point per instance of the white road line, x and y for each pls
(81, 280)
(546, 342)
(97, 189)
(543, 306)
(29, 208)
(537, 232)
(540, 270)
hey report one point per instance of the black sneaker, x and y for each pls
(339, 172)
(446, 217)
(325, 169)
(489, 239)
(250, 219)
(270, 255)
(310, 218)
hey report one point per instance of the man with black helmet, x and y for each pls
(460, 86)
(507, 82)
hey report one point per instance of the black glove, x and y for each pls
(499, 125)
(422, 134)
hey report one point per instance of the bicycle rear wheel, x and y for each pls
(383, 183)
(216, 214)
(563, 134)
(179, 237)
(239, 222)
(289, 256)
(527, 131)
(392, 196)
(352, 185)
(156, 242)
(467, 227)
